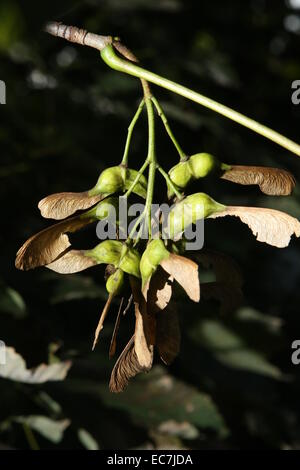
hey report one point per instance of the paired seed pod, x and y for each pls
(197, 166)
(118, 254)
(118, 178)
(151, 258)
(190, 209)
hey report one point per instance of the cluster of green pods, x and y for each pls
(194, 167)
(126, 259)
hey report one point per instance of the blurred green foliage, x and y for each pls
(66, 117)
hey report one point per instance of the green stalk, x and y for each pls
(168, 129)
(130, 130)
(110, 58)
(138, 221)
(152, 159)
(137, 178)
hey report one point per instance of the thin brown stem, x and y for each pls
(113, 342)
(77, 35)
(102, 318)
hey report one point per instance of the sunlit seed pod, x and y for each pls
(181, 174)
(108, 252)
(115, 282)
(190, 209)
(152, 257)
(201, 164)
(110, 181)
(130, 262)
(156, 251)
(146, 268)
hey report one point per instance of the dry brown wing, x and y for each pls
(271, 181)
(268, 225)
(61, 205)
(46, 246)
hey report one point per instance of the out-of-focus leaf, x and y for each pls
(12, 302)
(164, 441)
(157, 397)
(77, 287)
(47, 402)
(10, 24)
(230, 349)
(15, 369)
(87, 440)
(271, 323)
(185, 430)
(48, 428)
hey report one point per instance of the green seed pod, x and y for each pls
(108, 252)
(110, 181)
(108, 207)
(103, 209)
(152, 257)
(130, 262)
(115, 282)
(146, 268)
(192, 208)
(201, 164)
(117, 253)
(119, 178)
(197, 166)
(156, 252)
(181, 174)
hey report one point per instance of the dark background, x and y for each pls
(233, 385)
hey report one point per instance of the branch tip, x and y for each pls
(77, 35)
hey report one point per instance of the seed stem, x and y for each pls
(168, 128)
(169, 182)
(130, 131)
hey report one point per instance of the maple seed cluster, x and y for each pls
(153, 275)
